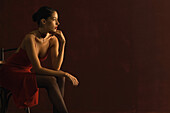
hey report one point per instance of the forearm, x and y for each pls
(50, 72)
(59, 60)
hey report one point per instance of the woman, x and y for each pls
(16, 75)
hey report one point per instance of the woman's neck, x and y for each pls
(42, 32)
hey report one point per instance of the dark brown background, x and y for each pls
(118, 49)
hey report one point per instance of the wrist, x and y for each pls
(67, 75)
(64, 74)
(62, 45)
(63, 42)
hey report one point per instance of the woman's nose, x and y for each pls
(57, 23)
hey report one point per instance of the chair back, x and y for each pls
(2, 54)
(3, 51)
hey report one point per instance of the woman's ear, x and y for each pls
(43, 21)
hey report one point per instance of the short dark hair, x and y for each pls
(43, 12)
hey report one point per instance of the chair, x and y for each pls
(4, 93)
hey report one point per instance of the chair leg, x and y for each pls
(2, 102)
(4, 98)
(27, 110)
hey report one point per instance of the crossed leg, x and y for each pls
(55, 89)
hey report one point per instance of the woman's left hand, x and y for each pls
(59, 34)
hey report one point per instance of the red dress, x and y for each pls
(16, 76)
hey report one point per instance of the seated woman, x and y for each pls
(15, 74)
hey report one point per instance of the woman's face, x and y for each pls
(52, 22)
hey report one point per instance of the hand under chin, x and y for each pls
(52, 32)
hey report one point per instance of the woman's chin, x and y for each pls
(52, 31)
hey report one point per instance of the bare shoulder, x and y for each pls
(29, 39)
(31, 35)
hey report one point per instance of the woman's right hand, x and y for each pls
(73, 79)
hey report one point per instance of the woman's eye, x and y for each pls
(55, 20)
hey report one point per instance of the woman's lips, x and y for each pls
(55, 27)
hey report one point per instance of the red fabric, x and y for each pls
(17, 77)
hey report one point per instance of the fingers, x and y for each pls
(58, 32)
(75, 82)
(60, 35)
(73, 79)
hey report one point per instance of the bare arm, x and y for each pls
(57, 53)
(32, 53)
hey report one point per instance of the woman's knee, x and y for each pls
(61, 79)
(47, 81)
(51, 80)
